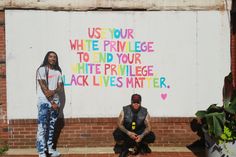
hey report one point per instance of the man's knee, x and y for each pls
(118, 135)
(149, 138)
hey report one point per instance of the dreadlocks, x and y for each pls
(45, 63)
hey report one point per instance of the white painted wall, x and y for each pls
(191, 50)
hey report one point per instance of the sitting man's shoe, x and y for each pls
(124, 153)
(145, 149)
(53, 153)
(133, 151)
(117, 148)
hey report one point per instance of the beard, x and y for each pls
(135, 108)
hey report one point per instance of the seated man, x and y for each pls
(134, 130)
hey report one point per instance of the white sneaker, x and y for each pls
(42, 155)
(53, 153)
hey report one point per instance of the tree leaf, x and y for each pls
(200, 114)
(215, 122)
(231, 108)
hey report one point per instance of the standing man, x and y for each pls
(134, 129)
(49, 84)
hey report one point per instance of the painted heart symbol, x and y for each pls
(163, 96)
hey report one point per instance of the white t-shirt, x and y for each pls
(54, 77)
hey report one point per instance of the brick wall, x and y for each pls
(91, 132)
(82, 131)
(233, 42)
(233, 57)
(3, 109)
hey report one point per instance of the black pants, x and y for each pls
(127, 142)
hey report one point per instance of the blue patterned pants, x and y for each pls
(46, 123)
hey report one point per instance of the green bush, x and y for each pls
(220, 121)
(3, 148)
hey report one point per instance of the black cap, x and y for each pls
(136, 98)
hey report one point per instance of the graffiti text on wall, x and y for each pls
(112, 57)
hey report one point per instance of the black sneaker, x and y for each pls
(133, 151)
(124, 153)
(117, 149)
(145, 149)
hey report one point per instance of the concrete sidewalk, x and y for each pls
(108, 152)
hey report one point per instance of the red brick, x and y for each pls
(233, 57)
(99, 132)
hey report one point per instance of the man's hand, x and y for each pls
(132, 135)
(138, 138)
(48, 93)
(54, 105)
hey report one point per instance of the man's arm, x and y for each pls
(59, 87)
(121, 122)
(146, 131)
(148, 125)
(48, 93)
